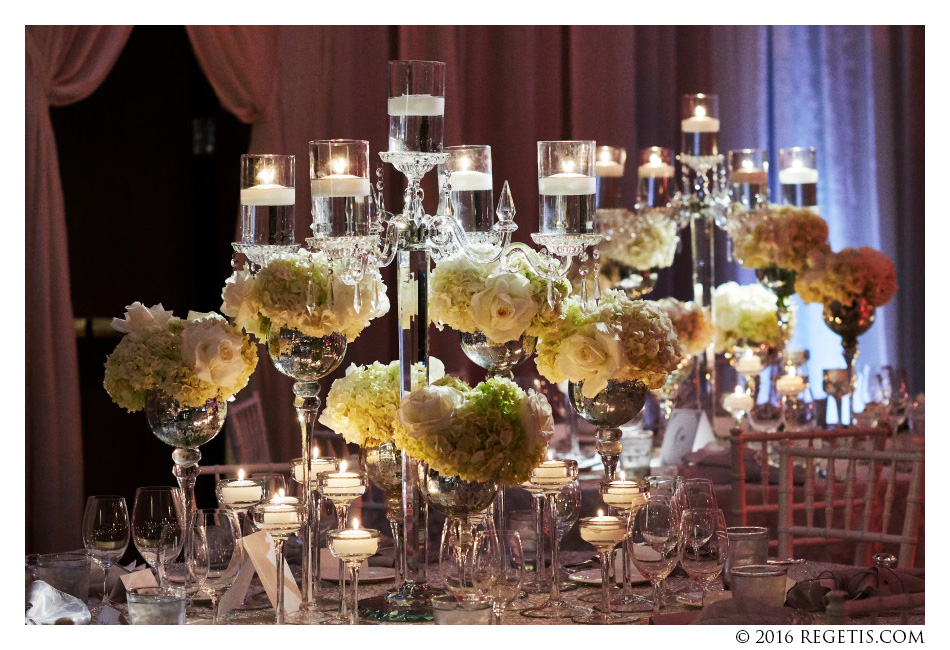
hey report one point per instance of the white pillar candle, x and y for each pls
(567, 184)
(469, 181)
(788, 385)
(797, 176)
(340, 185)
(738, 402)
(657, 169)
(602, 530)
(239, 491)
(268, 194)
(749, 365)
(416, 105)
(354, 543)
(608, 168)
(700, 124)
(751, 176)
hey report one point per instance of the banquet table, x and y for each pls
(803, 571)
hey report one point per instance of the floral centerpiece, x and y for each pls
(295, 292)
(692, 324)
(504, 304)
(745, 315)
(192, 361)
(788, 238)
(493, 432)
(361, 406)
(849, 276)
(646, 241)
(617, 339)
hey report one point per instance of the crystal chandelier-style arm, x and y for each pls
(446, 235)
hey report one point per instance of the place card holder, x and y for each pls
(234, 596)
(260, 548)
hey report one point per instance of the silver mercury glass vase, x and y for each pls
(615, 405)
(780, 282)
(497, 358)
(383, 465)
(849, 322)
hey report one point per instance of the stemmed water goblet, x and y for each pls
(671, 487)
(551, 476)
(352, 546)
(705, 546)
(341, 488)
(182, 562)
(105, 534)
(216, 549)
(152, 510)
(836, 382)
(699, 493)
(499, 568)
(655, 542)
(282, 517)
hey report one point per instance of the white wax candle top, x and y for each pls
(700, 124)
(738, 402)
(750, 176)
(567, 184)
(790, 385)
(468, 181)
(551, 469)
(267, 195)
(749, 365)
(797, 176)
(318, 466)
(608, 168)
(416, 105)
(655, 170)
(339, 185)
(241, 491)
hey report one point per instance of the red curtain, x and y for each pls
(64, 64)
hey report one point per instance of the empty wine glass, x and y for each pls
(153, 509)
(273, 483)
(698, 493)
(706, 546)
(174, 569)
(457, 553)
(499, 568)
(217, 537)
(105, 534)
(655, 543)
(836, 382)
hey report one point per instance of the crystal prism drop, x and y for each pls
(551, 302)
(311, 301)
(357, 298)
(506, 205)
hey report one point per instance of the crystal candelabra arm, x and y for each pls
(446, 235)
(386, 247)
(548, 267)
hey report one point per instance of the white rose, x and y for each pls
(141, 320)
(503, 310)
(241, 302)
(536, 415)
(429, 409)
(213, 352)
(592, 356)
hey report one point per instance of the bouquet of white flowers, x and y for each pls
(645, 241)
(294, 292)
(493, 432)
(745, 313)
(617, 339)
(789, 238)
(194, 360)
(850, 275)
(361, 406)
(503, 304)
(694, 329)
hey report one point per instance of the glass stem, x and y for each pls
(279, 555)
(605, 558)
(398, 556)
(355, 582)
(625, 551)
(106, 565)
(307, 403)
(539, 532)
(341, 511)
(555, 566)
(214, 606)
(657, 597)
(841, 422)
(317, 535)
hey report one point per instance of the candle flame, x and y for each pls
(339, 165)
(567, 166)
(550, 454)
(464, 164)
(623, 475)
(655, 159)
(342, 466)
(600, 513)
(797, 164)
(605, 155)
(241, 474)
(790, 371)
(316, 452)
(266, 174)
(279, 497)
(356, 523)
(700, 111)
(747, 164)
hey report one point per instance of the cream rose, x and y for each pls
(592, 355)
(241, 302)
(214, 353)
(429, 409)
(536, 415)
(141, 320)
(504, 309)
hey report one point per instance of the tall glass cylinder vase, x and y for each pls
(306, 359)
(608, 409)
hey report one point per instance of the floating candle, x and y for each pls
(789, 385)
(240, 491)
(267, 194)
(419, 105)
(567, 184)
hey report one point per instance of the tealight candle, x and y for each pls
(470, 181)
(750, 176)
(267, 194)
(789, 385)
(625, 495)
(355, 543)
(603, 530)
(340, 185)
(240, 491)
(608, 168)
(749, 365)
(655, 169)
(700, 123)
(342, 485)
(797, 175)
(318, 467)
(738, 402)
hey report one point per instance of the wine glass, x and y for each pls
(173, 567)
(273, 483)
(105, 534)
(836, 382)
(698, 493)
(217, 545)
(457, 553)
(499, 568)
(655, 542)
(153, 509)
(706, 546)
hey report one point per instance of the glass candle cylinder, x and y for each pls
(609, 170)
(567, 187)
(700, 125)
(416, 105)
(340, 188)
(747, 545)
(470, 178)
(749, 177)
(267, 200)
(655, 173)
(798, 174)
(763, 583)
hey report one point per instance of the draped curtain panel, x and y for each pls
(510, 86)
(64, 64)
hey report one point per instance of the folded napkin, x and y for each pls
(50, 606)
(743, 611)
(857, 583)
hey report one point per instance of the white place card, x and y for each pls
(234, 596)
(687, 430)
(260, 548)
(140, 578)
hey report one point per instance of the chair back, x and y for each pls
(246, 431)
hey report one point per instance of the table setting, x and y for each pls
(661, 548)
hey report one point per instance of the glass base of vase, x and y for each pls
(630, 603)
(307, 617)
(556, 609)
(606, 618)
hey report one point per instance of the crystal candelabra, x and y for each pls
(703, 199)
